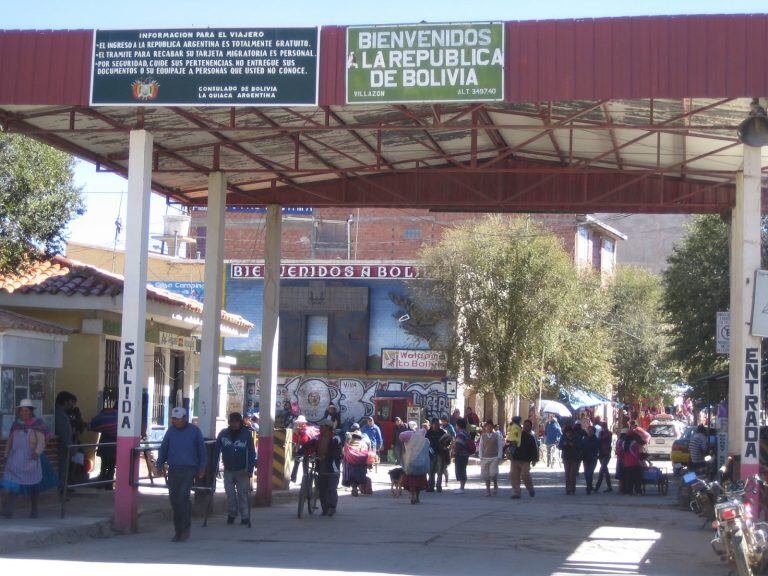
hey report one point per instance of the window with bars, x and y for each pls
(111, 373)
(158, 398)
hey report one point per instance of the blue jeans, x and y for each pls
(460, 462)
(180, 480)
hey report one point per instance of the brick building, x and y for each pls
(383, 234)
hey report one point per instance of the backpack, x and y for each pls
(470, 445)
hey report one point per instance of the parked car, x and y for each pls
(664, 433)
(679, 450)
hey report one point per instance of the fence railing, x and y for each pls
(72, 449)
(146, 451)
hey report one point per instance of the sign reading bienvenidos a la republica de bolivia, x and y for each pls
(425, 63)
(206, 67)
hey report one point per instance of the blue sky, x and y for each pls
(103, 191)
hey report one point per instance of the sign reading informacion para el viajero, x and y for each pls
(425, 63)
(205, 67)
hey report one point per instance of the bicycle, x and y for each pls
(309, 492)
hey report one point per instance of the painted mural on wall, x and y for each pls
(353, 396)
(385, 299)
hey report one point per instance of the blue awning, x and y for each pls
(578, 399)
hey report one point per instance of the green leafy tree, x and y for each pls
(516, 305)
(640, 343)
(696, 287)
(38, 198)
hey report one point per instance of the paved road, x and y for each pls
(448, 534)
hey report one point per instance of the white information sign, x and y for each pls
(760, 305)
(723, 336)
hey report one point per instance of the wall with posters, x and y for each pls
(312, 395)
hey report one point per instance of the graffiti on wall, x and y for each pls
(354, 397)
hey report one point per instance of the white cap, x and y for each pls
(301, 419)
(178, 412)
(26, 403)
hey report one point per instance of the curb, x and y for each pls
(30, 537)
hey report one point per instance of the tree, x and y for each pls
(696, 286)
(38, 198)
(640, 344)
(517, 307)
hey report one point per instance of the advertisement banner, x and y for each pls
(205, 67)
(425, 63)
(176, 342)
(287, 210)
(194, 290)
(309, 270)
(400, 359)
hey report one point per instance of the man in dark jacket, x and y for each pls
(65, 401)
(183, 448)
(105, 423)
(439, 444)
(235, 447)
(525, 456)
(329, 450)
(590, 451)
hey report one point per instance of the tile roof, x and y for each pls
(62, 275)
(12, 321)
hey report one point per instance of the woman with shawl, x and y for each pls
(27, 470)
(415, 460)
(356, 451)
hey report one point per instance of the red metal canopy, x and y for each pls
(626, 114)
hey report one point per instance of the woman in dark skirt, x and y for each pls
(415, 460)
(356, 460)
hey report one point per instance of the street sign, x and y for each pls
(426, 63)
(723, 335)
(760, 305)
(205, 67)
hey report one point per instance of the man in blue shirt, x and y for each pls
(235, 447)
(552, 435)
(374, 434)
(183, 449)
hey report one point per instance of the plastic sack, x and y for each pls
(416, 458)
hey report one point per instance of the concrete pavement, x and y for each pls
(446, 534)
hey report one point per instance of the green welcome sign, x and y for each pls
(425, 63)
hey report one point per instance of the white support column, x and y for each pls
(744, 373)
(214, 263)
(132, 375)
(269, 348)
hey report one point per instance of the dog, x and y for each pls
(396, 476)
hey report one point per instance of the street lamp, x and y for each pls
(753, 131)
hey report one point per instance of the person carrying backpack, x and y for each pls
(463, 447)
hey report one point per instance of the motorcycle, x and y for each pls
(700, 493)
(739, 539)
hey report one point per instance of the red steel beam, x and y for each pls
(565, 192)
(561, 124)
(679, 165)
(614, 140)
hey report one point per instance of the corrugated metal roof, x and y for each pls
(607, 58)
(45, 66)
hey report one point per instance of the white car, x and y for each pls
(663, 433)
